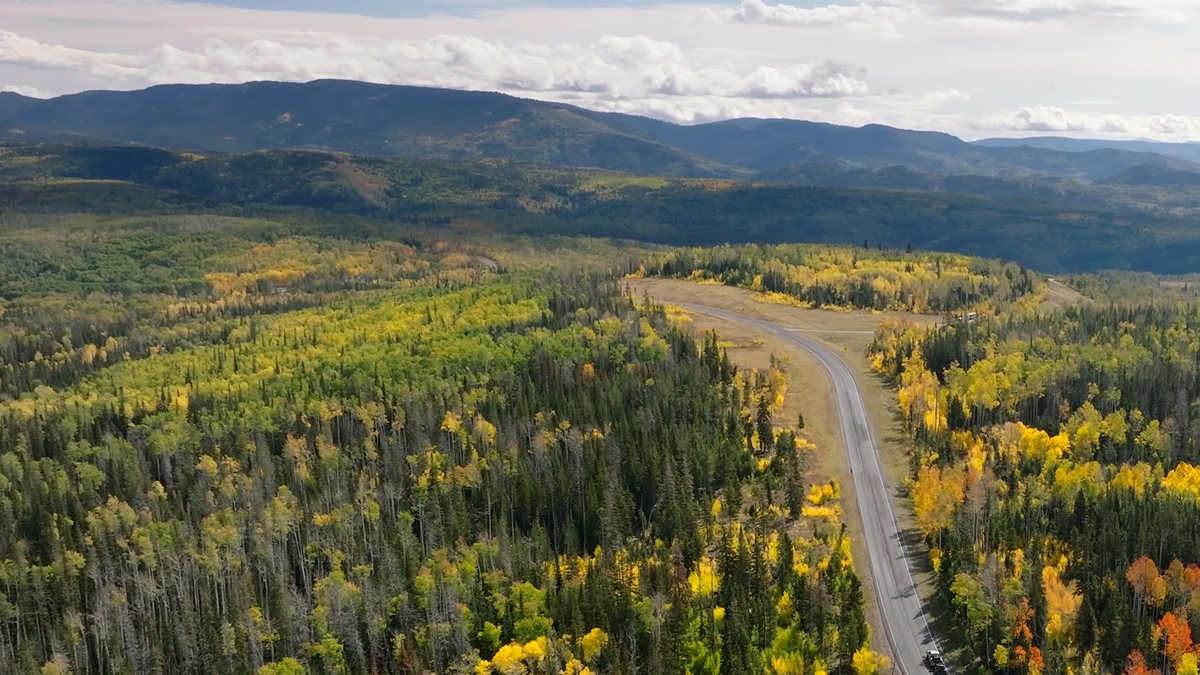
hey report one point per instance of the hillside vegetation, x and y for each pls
(338, 378)
(241, 446)
(1140, 189)
(329, 438)
(512, 197)
(1143, 175)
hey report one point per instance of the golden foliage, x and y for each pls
(1187, 665)
(593, 643)
(1062, 604)
(703, 580)
(1132, 477)
(935, 495)
(867, 662)
(1184, 480)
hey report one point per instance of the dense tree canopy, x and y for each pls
(288, 453)
(1055, 473)
(1056, 480)
(865, 278)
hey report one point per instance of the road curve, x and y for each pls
(899, 603)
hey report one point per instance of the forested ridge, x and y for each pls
(232, 446)
(1153, 230)
(407, 121)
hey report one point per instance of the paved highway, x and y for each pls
(904, 622)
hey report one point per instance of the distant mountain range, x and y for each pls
(1188, 151)
(1053, 225)
(482, 160)
(415, 122)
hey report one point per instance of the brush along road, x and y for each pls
(896, 594)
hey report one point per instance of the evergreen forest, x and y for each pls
(234, 446)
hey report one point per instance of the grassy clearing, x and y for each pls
(610, 184)
(1062, 295)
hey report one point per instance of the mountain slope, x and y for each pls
(354, 117)
(906, 178)
(1138, 191)
(403, 121)
(1188, 151)
(13, 105)
(770, 144)
(767, 145)
(1144, 175)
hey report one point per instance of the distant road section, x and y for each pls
(899, 603)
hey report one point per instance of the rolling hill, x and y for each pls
(906, 178)
(350, 117)
(1138, 190)
(338, 193)
(766, 145)
(1187, 151)
(416, 122)
(1153, 176)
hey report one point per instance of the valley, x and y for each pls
(341, 378)
(1066, 231)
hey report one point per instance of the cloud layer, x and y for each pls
(1155, 11)
(860, 17)
(612, 67)
(969, 67)
(884, 14)
(1048, 119)
(23, 90)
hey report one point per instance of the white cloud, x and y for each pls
(883, 15)
(947, 64)
(862, 16)
(932, 100)
(1044, 119)
(615, 67)
(1161, 11)
(23, 90)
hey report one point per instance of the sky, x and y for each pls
(1118, 69)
